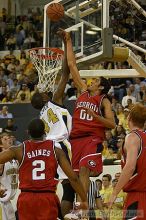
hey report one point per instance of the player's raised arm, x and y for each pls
(58, 94)
(73, 178)
(72, 63)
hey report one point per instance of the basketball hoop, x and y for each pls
(48, 62)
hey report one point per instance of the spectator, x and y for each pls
(4, 113)
(22, 99)
(11, 42)
(119, 88)
(111, 141)
(119, 131)
(11, 65)
(16, 87)
(106, 189)
(10, 126)
(8, 98)
(124, 120)
(19, 38)
(120, 113)
(107, 153)
(22, 58)
(117, 175)
(3, 93)
(129, 104)
(29, 42)
(15, 142)
(10, 80)
(117, 208)
(24, 90)
(128, 96)
(99, 184)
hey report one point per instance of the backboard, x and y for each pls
(93, 40)
(84, 20)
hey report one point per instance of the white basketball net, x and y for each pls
(48, 62)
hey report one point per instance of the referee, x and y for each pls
(95, 202)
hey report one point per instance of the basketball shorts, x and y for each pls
(66, 147)
(37, 206)
(86, 152)
(135, 206)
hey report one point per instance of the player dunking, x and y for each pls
(133, 177)
(38, 160)
(91, 116)
(58, 123)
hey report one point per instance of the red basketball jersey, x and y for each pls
(138, 180)
(83, 124)
(39, 165)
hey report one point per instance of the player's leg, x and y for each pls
(67, 198)
(38, 206)
(25, 207)
(68, 191)
(48, 203)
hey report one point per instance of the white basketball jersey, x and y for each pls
(9, 181)
(58, 121)
(58, 124)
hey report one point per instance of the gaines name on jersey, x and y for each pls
(39, 152)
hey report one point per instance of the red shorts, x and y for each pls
(86, 152)
(37, 206)
(135, 206)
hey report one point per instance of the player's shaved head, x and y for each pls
(37, 101)
(36, 128)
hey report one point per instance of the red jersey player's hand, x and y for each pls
(63, 34)
(90, 112)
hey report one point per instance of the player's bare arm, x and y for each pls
(73, 178)
(11, 153)
(108, 120)
(58, 94)
(6, 156)
(72, 64)
(131, 147)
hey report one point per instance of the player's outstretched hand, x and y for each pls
(63, 34)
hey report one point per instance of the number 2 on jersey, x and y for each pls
(37, 173)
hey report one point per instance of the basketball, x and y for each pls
(55, 11)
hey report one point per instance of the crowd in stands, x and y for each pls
(21, 32)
